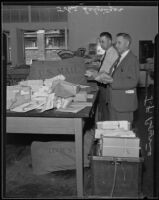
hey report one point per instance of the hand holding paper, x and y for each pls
(91, 73)
(104, 78)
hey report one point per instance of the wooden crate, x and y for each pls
(116, 176)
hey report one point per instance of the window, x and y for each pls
(12, 14)
(30, 40)
(22, 13)
(44, 44)
(31, 46)
(7, 33)
(55, 39)
(47, 14)
(9, 48)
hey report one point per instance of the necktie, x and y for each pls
(114, 66)
(102, 60)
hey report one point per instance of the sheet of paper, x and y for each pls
(82, 103)
(71, 109)
(28, 106)
(84, 86)
(89, 96)
(75, 107)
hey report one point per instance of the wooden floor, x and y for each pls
(20, 182)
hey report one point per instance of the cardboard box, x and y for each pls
(120, 146)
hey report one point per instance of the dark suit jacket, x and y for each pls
(122, 91)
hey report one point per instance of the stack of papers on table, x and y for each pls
(34, 104)
(49, 81)
(65, 89)
(18, 96)
(11, 94)
(34, 84)
(81, 96)
(47, 94)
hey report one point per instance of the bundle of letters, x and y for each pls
(115, 138)
(41, 94)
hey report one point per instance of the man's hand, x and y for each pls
(91, 73)
(104, 78)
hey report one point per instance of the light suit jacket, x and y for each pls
(122, 91)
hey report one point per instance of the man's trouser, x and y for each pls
(103, 111)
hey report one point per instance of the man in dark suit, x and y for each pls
(123, 96)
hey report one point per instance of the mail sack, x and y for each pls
(58, 155)
(72, 68)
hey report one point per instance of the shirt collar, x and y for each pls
(109, 48)
(125, 53)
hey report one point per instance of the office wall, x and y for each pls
(140, 22)
(17, 51)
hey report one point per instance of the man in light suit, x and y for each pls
(122, 91)
(107, 61)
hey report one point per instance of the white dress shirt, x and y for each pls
(123, 55)
(110, 58)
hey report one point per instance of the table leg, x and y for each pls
(79, 155)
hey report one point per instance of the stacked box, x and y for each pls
(116, 139)
(120, 146)
(114, 125)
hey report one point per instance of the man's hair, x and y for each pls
(125, 36)
(106, 34)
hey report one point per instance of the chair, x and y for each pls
(80, 52)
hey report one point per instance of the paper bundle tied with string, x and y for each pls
(34, 84)
(103, 77)
(65, 89)
(120, 146)
(11, 93)
(22, 95)
(50, 81)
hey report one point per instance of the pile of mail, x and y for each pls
(115, 138)
(41, 94)
(102, 77)
(17, 95)
(114, 129)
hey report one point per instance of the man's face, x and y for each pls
(104, 42)
(121, 44)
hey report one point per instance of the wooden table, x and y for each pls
(55, 122)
